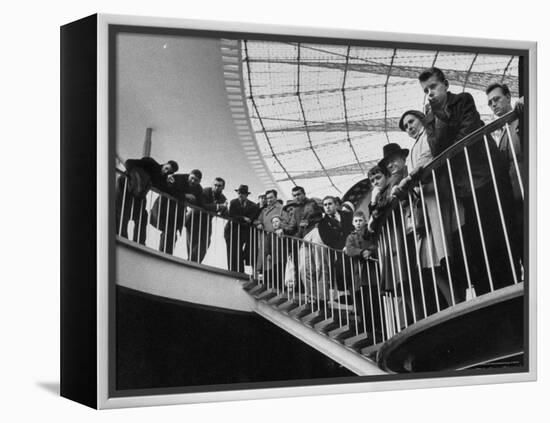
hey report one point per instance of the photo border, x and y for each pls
(108, 396)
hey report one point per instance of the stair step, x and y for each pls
(259, 288)
(358, 341)
(340, 332)
(266, 295)
(300, 311)
(250, 285)
(288, 306)
(277, 300)
(312, 318)
(371, 350)
(326, 325)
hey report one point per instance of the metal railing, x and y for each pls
(455, 231)
(436, 247)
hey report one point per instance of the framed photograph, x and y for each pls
(255, 211)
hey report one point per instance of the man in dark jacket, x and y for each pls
(242, 213)
(198, 222)
(169, 210)
(334, 228)
(131, 190)
(305, 215)
(449, 118)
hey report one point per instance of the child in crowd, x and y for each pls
(361, 245)
(275, 252)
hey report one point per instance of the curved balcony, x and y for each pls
(398, 315)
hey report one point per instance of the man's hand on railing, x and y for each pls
(375, 193)
(400, 191)
(260, 226)
(366, 254)
(416, 173)
(279, 232)
(190, 198)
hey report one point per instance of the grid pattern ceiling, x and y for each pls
(322, 113)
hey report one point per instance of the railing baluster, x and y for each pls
(371, 302)
(166, 223)
(191, 235)
(459, 225)
(332, 288)
(345, 288)
(399, 267)
(476, 207)
(430, 250)
(231, 245)
(141, 207)
(442, 228)
(310, 275)
(353, 292)
(209, 220)
(199, 234)
(301, 262)
(123, 205)
(132, 217)
(502, 220)
(515, 160)
(326, 263)
(175, 230)
(381, 295)
(319, 270)
(273, 263)
(402, 214)
(251, 248)
(418, 262)
(388, 242)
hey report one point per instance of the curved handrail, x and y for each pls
(467, 141)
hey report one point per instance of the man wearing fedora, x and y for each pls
(394, 252)
(242, 212)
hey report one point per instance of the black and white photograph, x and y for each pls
(259, 212)
(297, 211)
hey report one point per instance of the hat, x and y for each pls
(290, 203)
(392, 149)
(349, 205)
(416, 113)
(243, 189)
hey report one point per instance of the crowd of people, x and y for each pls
(438, 234)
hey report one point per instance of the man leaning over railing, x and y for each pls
(131, 190)
(168, 215)
(449, 118)
(510, 142)
(198, 221)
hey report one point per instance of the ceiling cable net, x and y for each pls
(322, 113)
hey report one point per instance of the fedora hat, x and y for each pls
(392, 149)
(243, 189)
(290, 203)
(416, 113)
